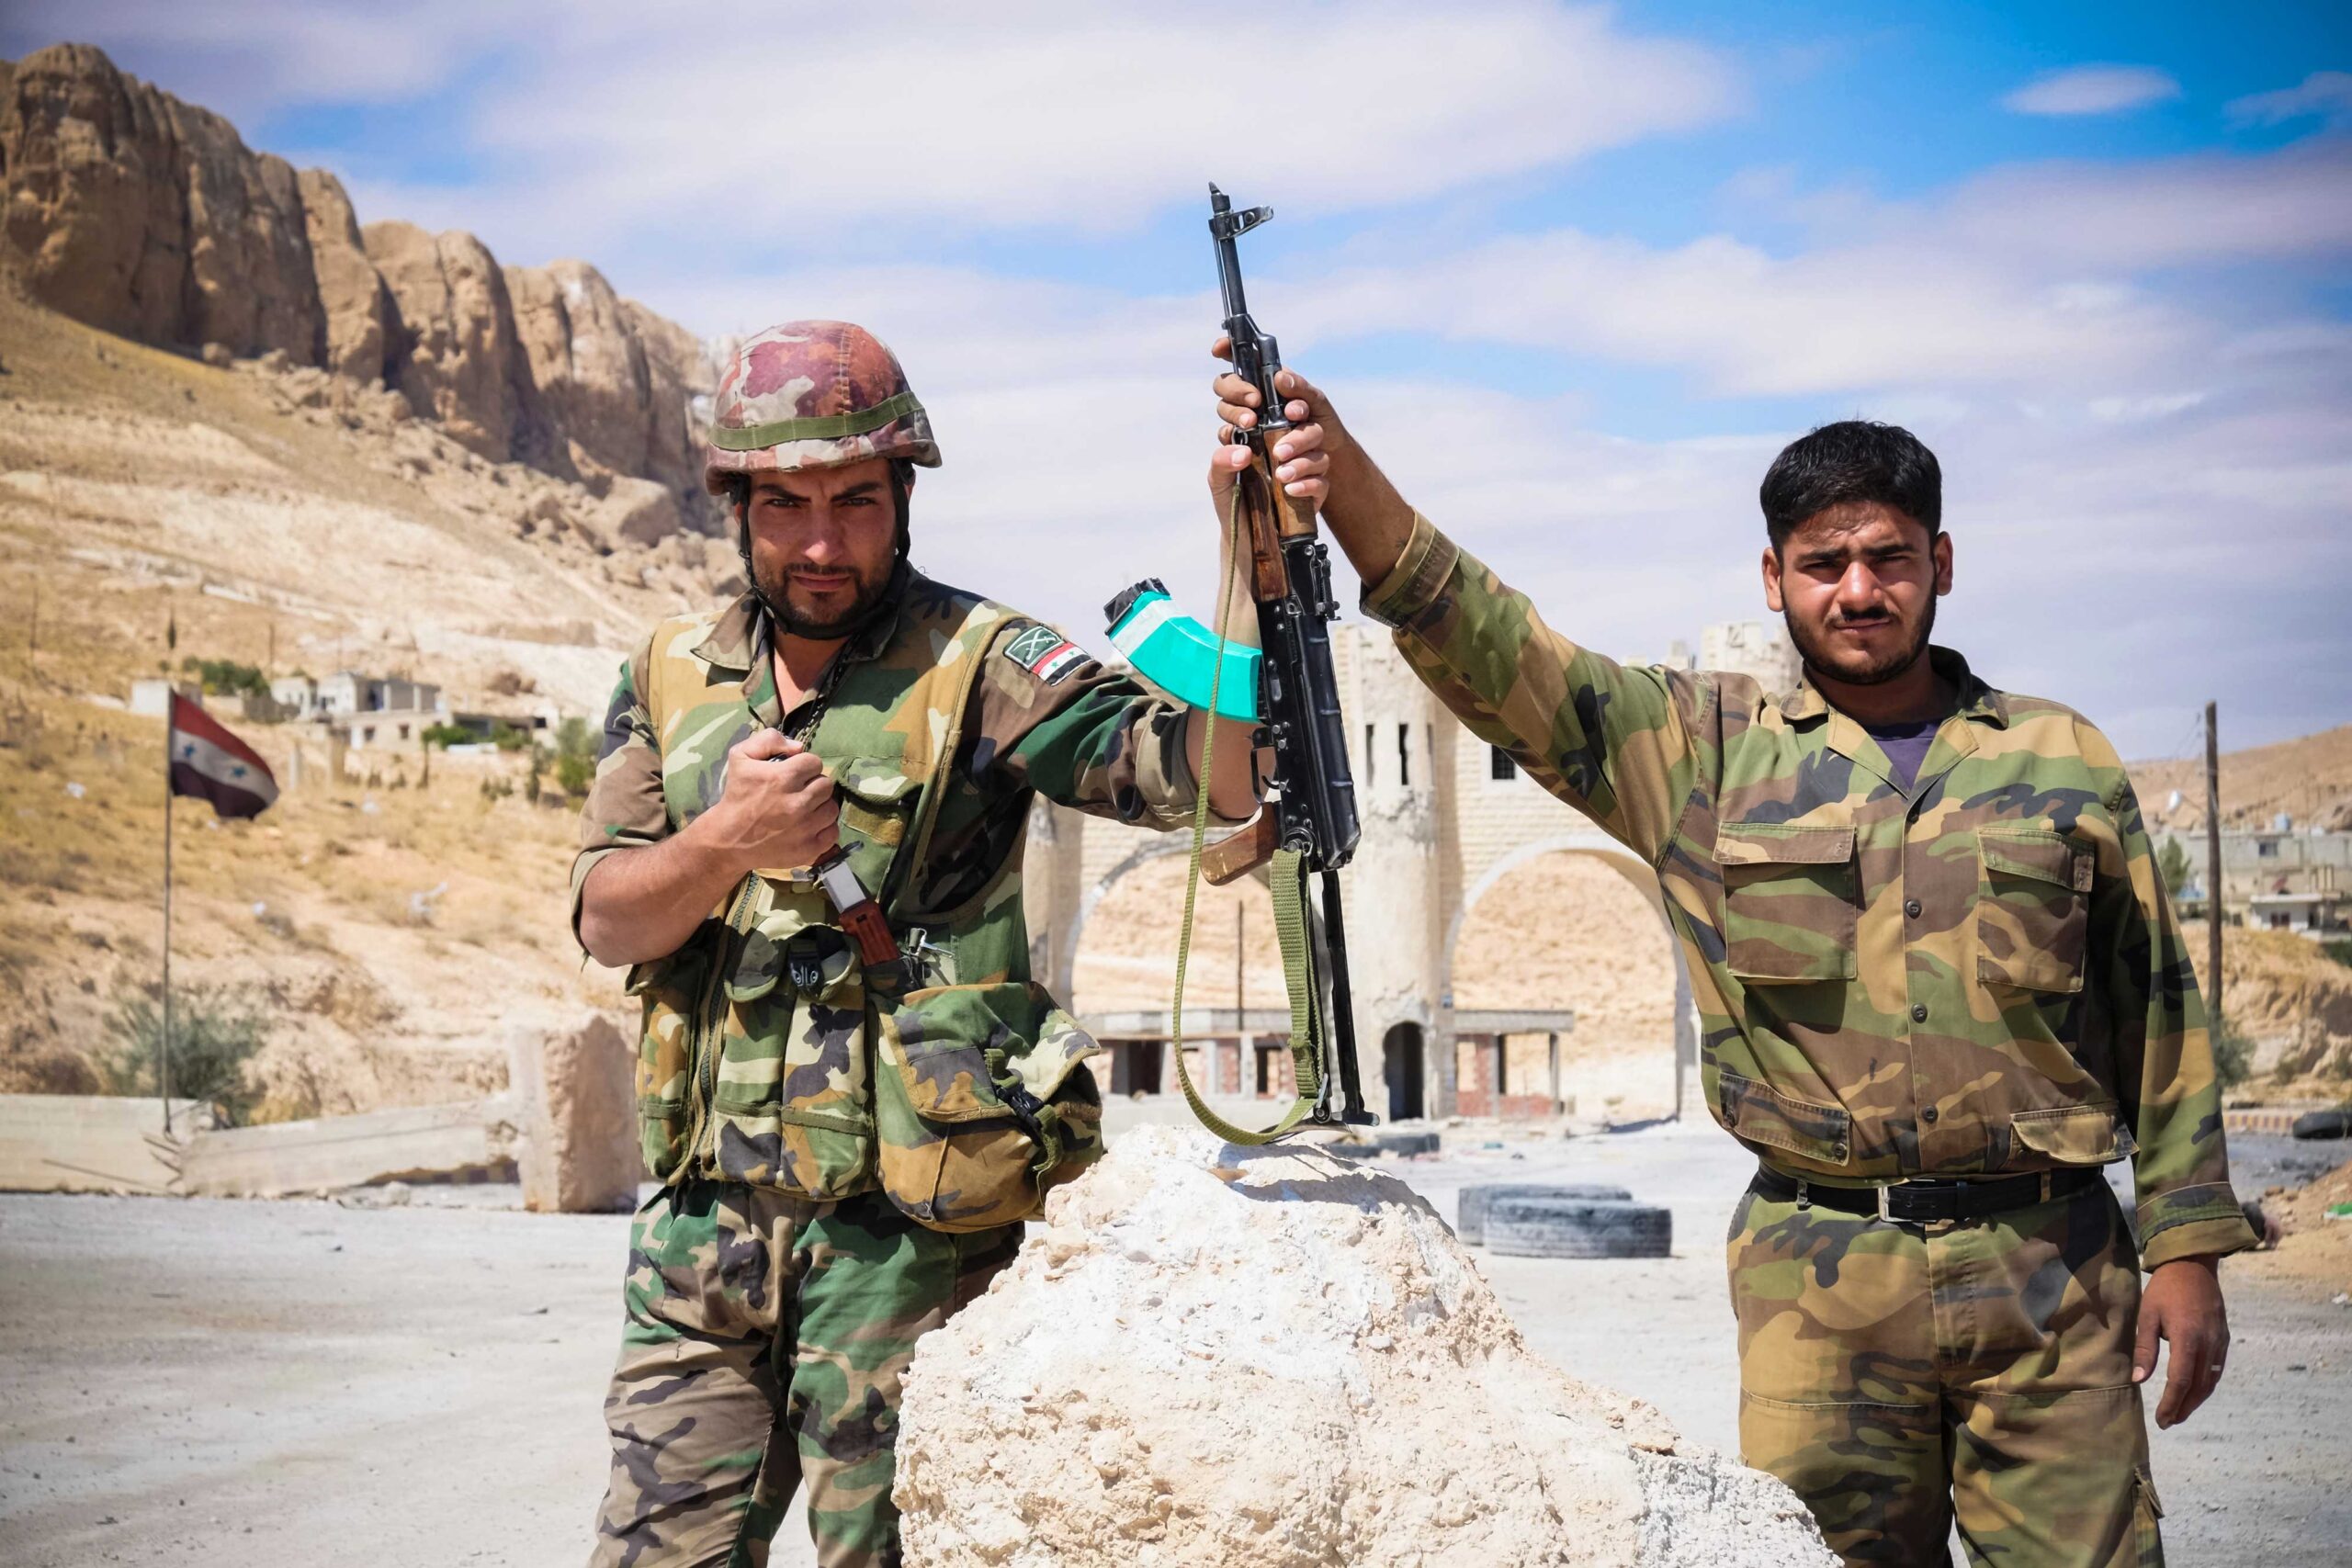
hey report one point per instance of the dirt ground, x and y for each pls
(309, 1385)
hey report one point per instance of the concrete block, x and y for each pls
(92, 1143)
(574, 1098)
(424, 1143)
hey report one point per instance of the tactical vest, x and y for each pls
(770, 1056)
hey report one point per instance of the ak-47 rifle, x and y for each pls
(1307, 830)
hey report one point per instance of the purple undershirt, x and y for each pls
(1906, 745)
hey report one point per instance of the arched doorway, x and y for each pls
(1400, 1058)
(1122, 946)
(1575, 920)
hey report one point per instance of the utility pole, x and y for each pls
(2213, 870)
(1241, 960)
(163, 1040)
(1240, 998)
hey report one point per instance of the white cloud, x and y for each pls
(602, 121)
(1748, 322)
(2142, 406)
(2326, 94)
(2191, 209)
(2093, 89)
(1089, 117)
(2035, 277)
(244, 60)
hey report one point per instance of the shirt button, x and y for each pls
(1918, 1012)
(1929, 1115)
(1911, 907)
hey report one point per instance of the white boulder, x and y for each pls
(1282, 1359)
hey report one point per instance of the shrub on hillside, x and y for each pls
(2172, 865)
(223, 677)
(214, 1041)
(2232, 1056)
(575, 758)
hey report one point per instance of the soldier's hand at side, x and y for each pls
(776, 807)
(1302, 455)
(2182, 1305)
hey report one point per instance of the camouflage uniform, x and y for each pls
(1977, 976)
(846, 1151)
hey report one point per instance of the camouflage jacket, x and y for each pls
(769, 1055)
(1978, 975)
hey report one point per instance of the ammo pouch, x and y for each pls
(982, 1102)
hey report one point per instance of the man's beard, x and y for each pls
(792, 620)
(1885, 668)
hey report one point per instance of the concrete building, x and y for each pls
(361, 711)
(1446, 819)
(152, 697)
(1752, 648)
(297, 694)
(2277, 877)
(349, 691)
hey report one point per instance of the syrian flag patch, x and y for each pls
(1045, 653)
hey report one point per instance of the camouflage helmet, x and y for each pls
(813, 395)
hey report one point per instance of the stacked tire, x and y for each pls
(1470, 1224)
(1582, 1222)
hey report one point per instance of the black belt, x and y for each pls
(1925, 1200)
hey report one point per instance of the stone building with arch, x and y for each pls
(1449, 828)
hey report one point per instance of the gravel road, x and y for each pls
(309, 1385)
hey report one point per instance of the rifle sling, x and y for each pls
(1286, 878)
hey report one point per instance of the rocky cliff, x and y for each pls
(126, 208)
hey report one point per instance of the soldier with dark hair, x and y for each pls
(1940, 987)
(804, 842)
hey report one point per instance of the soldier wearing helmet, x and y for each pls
(848, 1130)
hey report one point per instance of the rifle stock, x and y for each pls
(1242, 851)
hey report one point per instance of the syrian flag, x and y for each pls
(210, 763)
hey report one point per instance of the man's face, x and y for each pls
(1858, 585)
(823, 543)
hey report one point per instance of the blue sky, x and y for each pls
(1574, 274)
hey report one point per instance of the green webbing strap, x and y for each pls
(825, 427)
(1287, 877)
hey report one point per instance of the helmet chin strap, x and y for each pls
(750, 575)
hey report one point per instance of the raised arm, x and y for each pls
(1618, 743)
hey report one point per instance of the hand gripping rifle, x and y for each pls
(1308, 829)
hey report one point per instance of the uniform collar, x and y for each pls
(1976, 704)
(739, 638)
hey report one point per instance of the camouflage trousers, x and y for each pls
(1902, 1378)
(766, 1336)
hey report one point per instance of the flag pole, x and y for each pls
(164, 1040)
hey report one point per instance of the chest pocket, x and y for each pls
(1789, 901)
(877, 803)
(2032, 908)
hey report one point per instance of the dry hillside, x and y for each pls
(2309, 778)
(2291, 1002)
(290, 510)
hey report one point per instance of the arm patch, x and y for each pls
(1045, 653)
